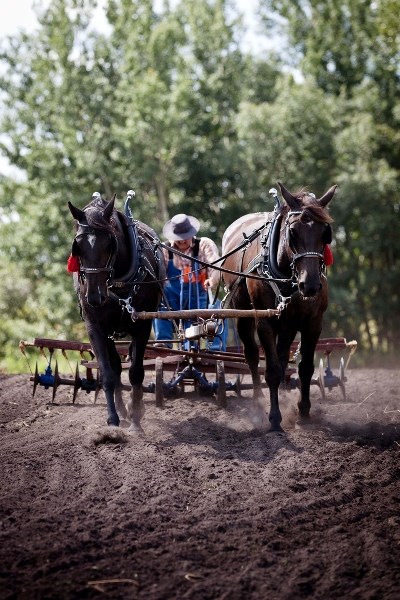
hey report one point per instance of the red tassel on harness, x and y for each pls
(328, 256)
(73, 264)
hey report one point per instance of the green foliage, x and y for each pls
(339, 42)
(291, 138)
(167, 103)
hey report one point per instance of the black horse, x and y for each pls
(285, 251)
(119, 267)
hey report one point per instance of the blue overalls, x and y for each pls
(183, 291)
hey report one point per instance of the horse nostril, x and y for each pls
(310, 291)
(96, 301)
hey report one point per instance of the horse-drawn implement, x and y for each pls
(190, 365)
(274, 271)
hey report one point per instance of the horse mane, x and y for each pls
(94, 213)
(311, 210)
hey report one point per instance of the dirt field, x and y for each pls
(202, 506)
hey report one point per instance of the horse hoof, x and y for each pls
(258, 420)
(304, 424)
(275, 429)
(257, 414)
(304, 411)
(136, 429)
(123, 415)
(114, 422)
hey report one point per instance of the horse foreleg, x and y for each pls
(136, 375)
(246, 331)
(101, 347)
(117, 368)
(272, 372)
(306, 370)
(285, 339)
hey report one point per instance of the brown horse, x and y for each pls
(286, 254)
(118, 268)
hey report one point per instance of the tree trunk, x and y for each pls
(162, 195)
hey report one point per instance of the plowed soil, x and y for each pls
(203, 505)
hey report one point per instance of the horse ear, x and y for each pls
(327, 197)
(293, 203)
(109, 208)
(77, 213)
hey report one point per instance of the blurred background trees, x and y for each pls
(168, 103)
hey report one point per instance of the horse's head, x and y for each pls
(306, 230)
(95, 244)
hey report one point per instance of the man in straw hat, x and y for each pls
(188, 282)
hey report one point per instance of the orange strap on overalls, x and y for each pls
(190, 276)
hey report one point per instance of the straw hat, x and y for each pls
(181, 227)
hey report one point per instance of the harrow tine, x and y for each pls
(56, 382)
(22, 346)
(353, 347)
(43, 353)
(65, 355)
(35, 380)
(77, 383)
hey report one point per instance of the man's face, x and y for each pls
(183, 245)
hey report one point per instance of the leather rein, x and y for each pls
(265, 274)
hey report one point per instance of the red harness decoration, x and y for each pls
(73, 264)
(328, 256)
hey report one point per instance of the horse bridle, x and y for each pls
(109, 268)
(297, 255)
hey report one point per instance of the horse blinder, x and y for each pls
(327, 235)
(75, 248)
